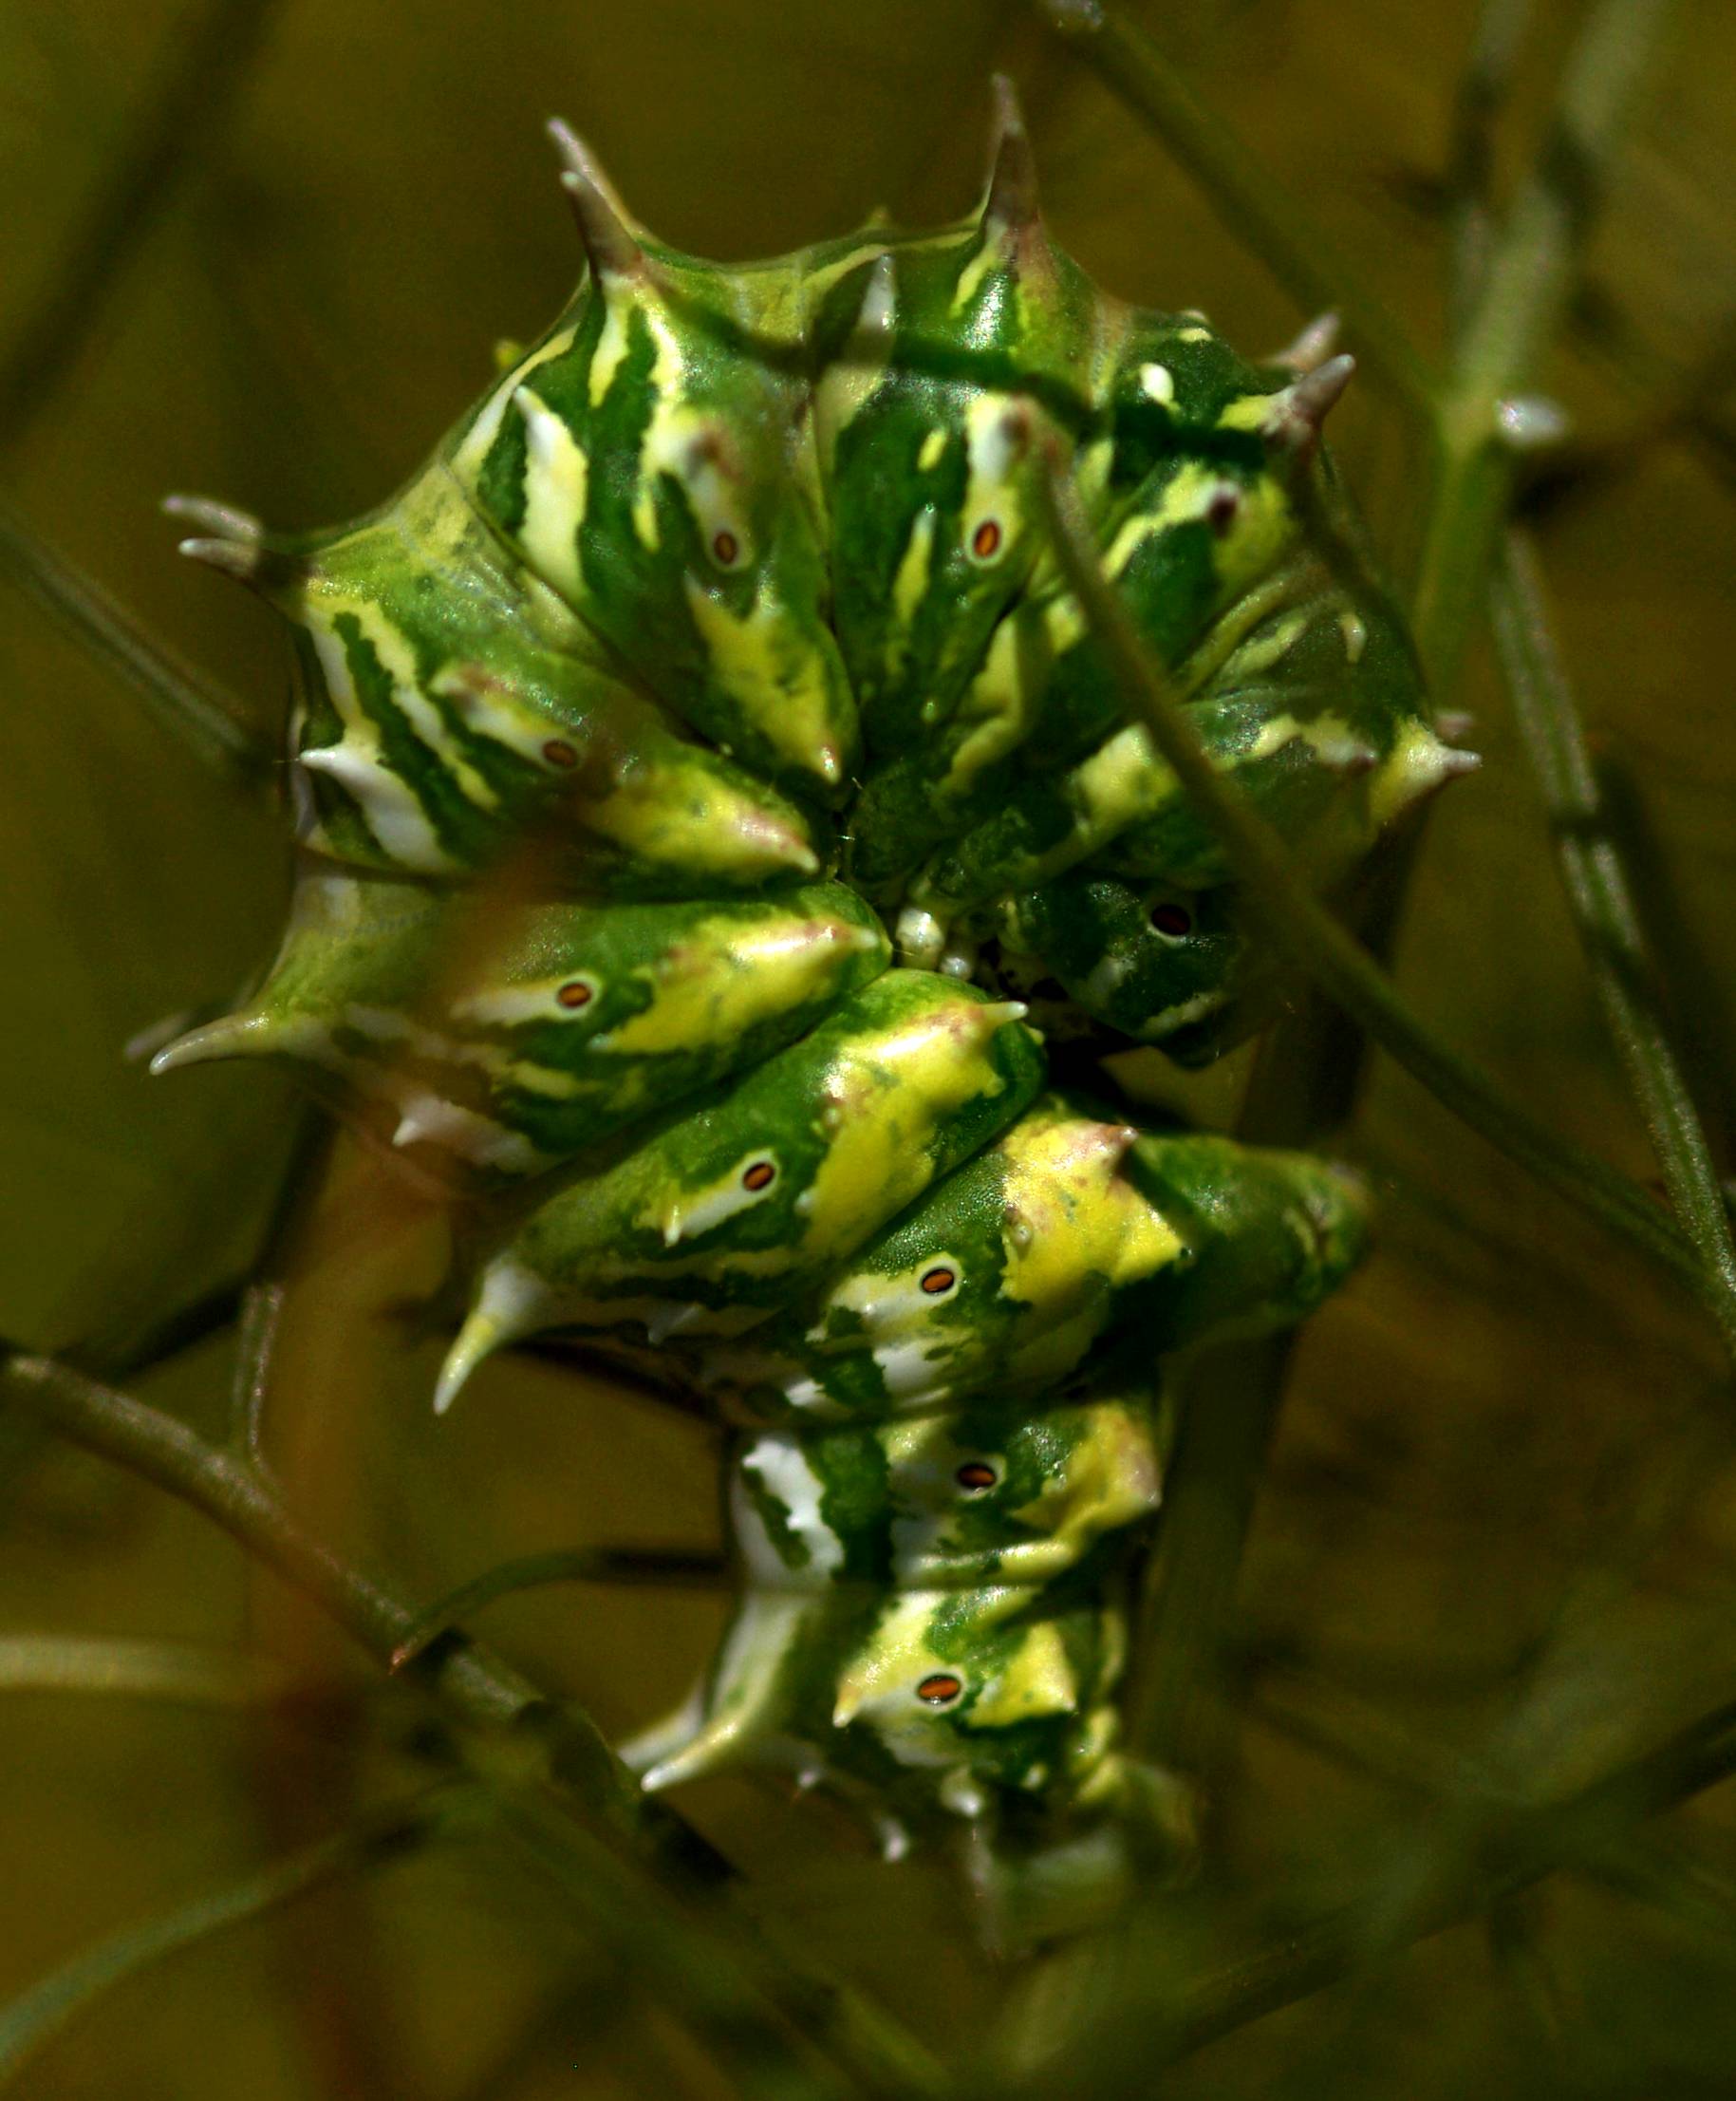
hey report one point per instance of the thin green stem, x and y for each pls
(34, 2020)
(1279, 900)
(207, 721)
(209, 63)
(1252, 203)
(1607, 920)
(1525, 289)
(1479, 100)
(1526, 1846)
(655, 1568)
(176, 1673)
(512, 1736)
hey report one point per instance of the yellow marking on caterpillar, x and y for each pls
(1355, 636)
(555, 486)
(646, 814)
(479, 440)
(970, 278)
(878, 1685)
(771, 969)
(398, 659)
(752, 653)
(894, 1089)
(1264, 522)
(390, 806)
(909, 587)
(1083, 1220)
(1110, 1479)
(996, 707)
(847, 385)
(932, 447)
(1247, 412)
(1038, 1680)
(697, 1211)
(995, 436)
(1417, 763)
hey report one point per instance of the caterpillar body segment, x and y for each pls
(735, 1206)
(706, 792)
(507, 1035)
(1072, 1228)
(944, 1572)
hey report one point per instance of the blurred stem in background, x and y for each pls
(1512, 283)
(648, 1885)
(547, 1775)
(178, 123)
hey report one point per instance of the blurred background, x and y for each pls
(263, 249)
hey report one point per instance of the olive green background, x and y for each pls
(1453, 1528)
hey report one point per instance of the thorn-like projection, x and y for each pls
(1294, 422)
(605, 225)
(578, 158)
(223, 521)
(1012, 186)
(1531, 423)
(877, 316)
(1414, 775)
(1310, 349)
(478, 1338)
(997, 1013)
(236, 558)
(232, 1035)
(511, 1306)
(140, 1048)
(673, 1319)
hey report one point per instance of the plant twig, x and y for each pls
(1479, 100)
(178, 1673)
(1262, 212)
(1526, 287)
(208, 721)
(1303, 930)
(1606, 918)
(32, 2020)
(1527, 1845)
(213, 60)
(655, 1568)
(553, 1758)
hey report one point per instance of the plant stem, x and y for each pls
(207, 68)
(1530, 1843)
(1526, 287)
(178, 1673)
(511, 1734)
(1300, 927)
(1261, 210)
(208, 721)
(1479, 100)
(664, 1567)
(1606, 918)
(33, 2020)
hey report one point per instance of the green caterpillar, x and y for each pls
(709, 796)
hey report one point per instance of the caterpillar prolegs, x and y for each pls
(712, 806)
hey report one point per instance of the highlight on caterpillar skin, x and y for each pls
(708, 798)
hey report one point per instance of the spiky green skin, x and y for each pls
(718, 645)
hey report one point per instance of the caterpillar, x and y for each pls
(722, 855)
